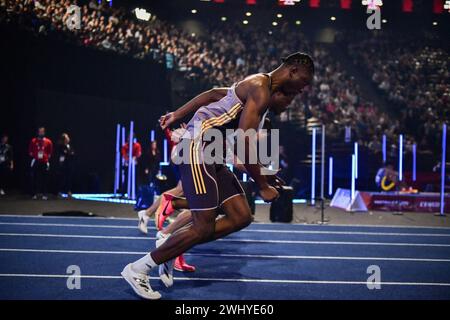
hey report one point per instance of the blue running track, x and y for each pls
(264, 261)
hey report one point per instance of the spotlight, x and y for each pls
(194, 11)
(279, 16)
(333, 18)
(248, 14)
(372, 4)
(435, 23)
(298, 22)
(223, 18)
(384, 21)
(160, 176)
(245, 22)
(274, 23)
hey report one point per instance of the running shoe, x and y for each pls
(164, 210)
(139, 283)
(143, 219)
(182, 266)
(165, 269)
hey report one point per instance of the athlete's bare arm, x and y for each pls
(256, 102)
(193, 105)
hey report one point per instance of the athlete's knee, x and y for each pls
(246, 220)
(204, 232)
(243, 220)
(204, 226)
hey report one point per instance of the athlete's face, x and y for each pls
(279, 101)
(293, 86)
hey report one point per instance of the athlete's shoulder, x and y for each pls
(257, 80)
(256, 86)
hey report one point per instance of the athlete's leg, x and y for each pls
(201, 229)
(238, 215)
(181, 220)
(180, 264)
(176, 192)
(175, 203)
(180, 203)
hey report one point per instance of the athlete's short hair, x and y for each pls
(301, 59)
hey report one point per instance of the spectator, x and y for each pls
(64, 158)
(152, 163)
(40, 151)
(6, 164)
(136, 154)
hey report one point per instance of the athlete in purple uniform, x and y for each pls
(210, 187)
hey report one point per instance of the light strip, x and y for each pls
(356, 159)
(414, 174)
(313, 168)
(444, 149)
(353, 187)
(330, 176)
(400, 158)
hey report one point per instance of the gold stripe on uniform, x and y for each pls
(219, 120)
(199, 168)
(194, 178)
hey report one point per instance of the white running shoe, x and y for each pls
(165, 269)
(142, 225)
(139, 283)
(161, 238)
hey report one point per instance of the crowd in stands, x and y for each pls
(335, 100)
(412, 76)
(224, 57)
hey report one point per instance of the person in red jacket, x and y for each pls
(40, 151)
(136, 154)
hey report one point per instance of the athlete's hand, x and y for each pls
(269, 193)
(275, 181)
(167, 119)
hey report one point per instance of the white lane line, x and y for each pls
(349, 243)
(254, 223)
(330, 282)
(71, 225)
(230, 255)
(112, 226)
(357, 243)
(241, 240)
(65, 217)
(48, 235)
